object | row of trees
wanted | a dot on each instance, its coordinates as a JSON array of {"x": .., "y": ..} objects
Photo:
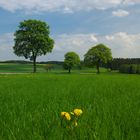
[
  {"x": 32, "y": 39},
  {"x": 94, "y": 57}
]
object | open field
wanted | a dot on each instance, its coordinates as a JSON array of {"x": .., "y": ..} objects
[
  {"x": 28, "y": 68},
  {"x": 30, "y": 106},
  {"x": 19, "y": 68}
]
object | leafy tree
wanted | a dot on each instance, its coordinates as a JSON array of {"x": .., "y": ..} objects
[
  {"x": 32, "y": 40},
  {"x": 71, "y": 59},
  {"x": 97, "y": 55}
]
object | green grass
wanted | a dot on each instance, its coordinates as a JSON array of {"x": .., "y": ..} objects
[
  {"x": 28, "y": 68},
  {"x": 30, "y": 106},
  {"x": 19, "y": 68}
]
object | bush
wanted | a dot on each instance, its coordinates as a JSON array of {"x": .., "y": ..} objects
[
  {"x": 131, "y": 69},
  {"x": 138, "y": 69},
  {"x": 124, "y": 68}
]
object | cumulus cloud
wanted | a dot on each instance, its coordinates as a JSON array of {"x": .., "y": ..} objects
[
  {"x": 130, "y": 2},
  {"x": 74, "y": 42},
  {"x": 65, "y": 6},
  {"x": 6, "y": 44},
  {"x": 120, "y": 13},
  {"x": 122, "y": 44},
  {"x": 6, "y": 40},
  {"x": 111, "y": 37}
]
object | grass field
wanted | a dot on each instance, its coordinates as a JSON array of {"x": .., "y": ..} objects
[
  {"x": 30, "y": 106},
  {"x": 28, "y": 68},
  {"x": 19, "y": 68}
]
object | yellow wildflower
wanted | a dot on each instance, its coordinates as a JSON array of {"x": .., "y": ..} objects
[
  {"x": 63, "y": 114},
  {"x": 78, "y": 112},
  {"x": 66, "y": 115}
]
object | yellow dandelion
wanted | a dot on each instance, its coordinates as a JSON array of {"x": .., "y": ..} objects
[
  {"x": 66, "y": 115},
  {"x": 63, "y": 114},
  {"x": 78, "y": 112}
]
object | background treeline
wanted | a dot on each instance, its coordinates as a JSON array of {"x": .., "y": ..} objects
[
  {"x": 118, "y": 62},
  {"x": 114, "y": 64},
  {"x": 29, "y": 62},
  {"x": 124, "y": 65},
  {"x": 130, "y": 68}
]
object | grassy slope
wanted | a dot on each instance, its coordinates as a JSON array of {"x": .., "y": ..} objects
[{"x": 30, "y": 106}]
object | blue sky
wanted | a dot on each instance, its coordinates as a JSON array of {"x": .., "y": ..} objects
[{"x": 75, "y": 25}]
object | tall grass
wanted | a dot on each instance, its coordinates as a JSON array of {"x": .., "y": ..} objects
[{"x": 30, "y": 106}]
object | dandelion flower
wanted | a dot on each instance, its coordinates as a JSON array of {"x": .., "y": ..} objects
[
  {"x": 63, "y": 114},
  {"x": 77, "y": 112},
  {"x": 66, "y": 115}
]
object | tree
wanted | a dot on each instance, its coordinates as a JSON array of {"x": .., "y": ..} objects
[
  {"x": 32, "y": 40},
  {"x": 71, "y": 59},
  {"x": 97, "y": 55}
]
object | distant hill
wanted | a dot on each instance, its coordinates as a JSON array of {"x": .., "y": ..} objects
[{"x": 29, "y": 62}]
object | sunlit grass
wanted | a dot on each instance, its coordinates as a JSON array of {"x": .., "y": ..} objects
[{"x": 31, "y": 104}]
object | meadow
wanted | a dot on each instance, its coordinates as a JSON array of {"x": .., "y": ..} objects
[{"x": 30, "y": 106}]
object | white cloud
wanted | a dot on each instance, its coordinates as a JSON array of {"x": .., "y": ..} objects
[
  {"x": 6, "y": 40},
  {"x": 131, "y": 2},
  {"x": 109, "y": 37},
  {"x": 74, "y": 42},
  {"x": 122, "y": 45},
  {"x": 120, "y": 13},
  {"x": 66, "y": 6}
]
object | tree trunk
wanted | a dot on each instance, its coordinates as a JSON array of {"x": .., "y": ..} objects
[
  {"x": 98, "y": 68},
  {"x": 34, "y": 64},
  {"x": 69, "y": 70}
]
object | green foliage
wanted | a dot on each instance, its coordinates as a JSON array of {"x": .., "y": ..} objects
[
  {"x": 117, "y": 62},
  {"x": 32, "y": 39},
  {"x": 131, "y": 69},
  {"x": 138, "y": 69},
  {"x": 71, "y": 59},
  {"x": 97, "y": 55},
  {"x": 30, "y": 109},
  {"x": 124, "y": 68}
]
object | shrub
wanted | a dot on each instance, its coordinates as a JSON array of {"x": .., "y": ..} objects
[
  {"x": 131, "y": 69},
  {"x": 124, "y": 68},
  {"x": 138, "y": 69}
]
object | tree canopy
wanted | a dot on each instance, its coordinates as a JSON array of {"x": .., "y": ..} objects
[
  {"x": 97, "y": 55},
  {"x": 32, "y": 39},
  {"x": 71, "y": 59}
]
